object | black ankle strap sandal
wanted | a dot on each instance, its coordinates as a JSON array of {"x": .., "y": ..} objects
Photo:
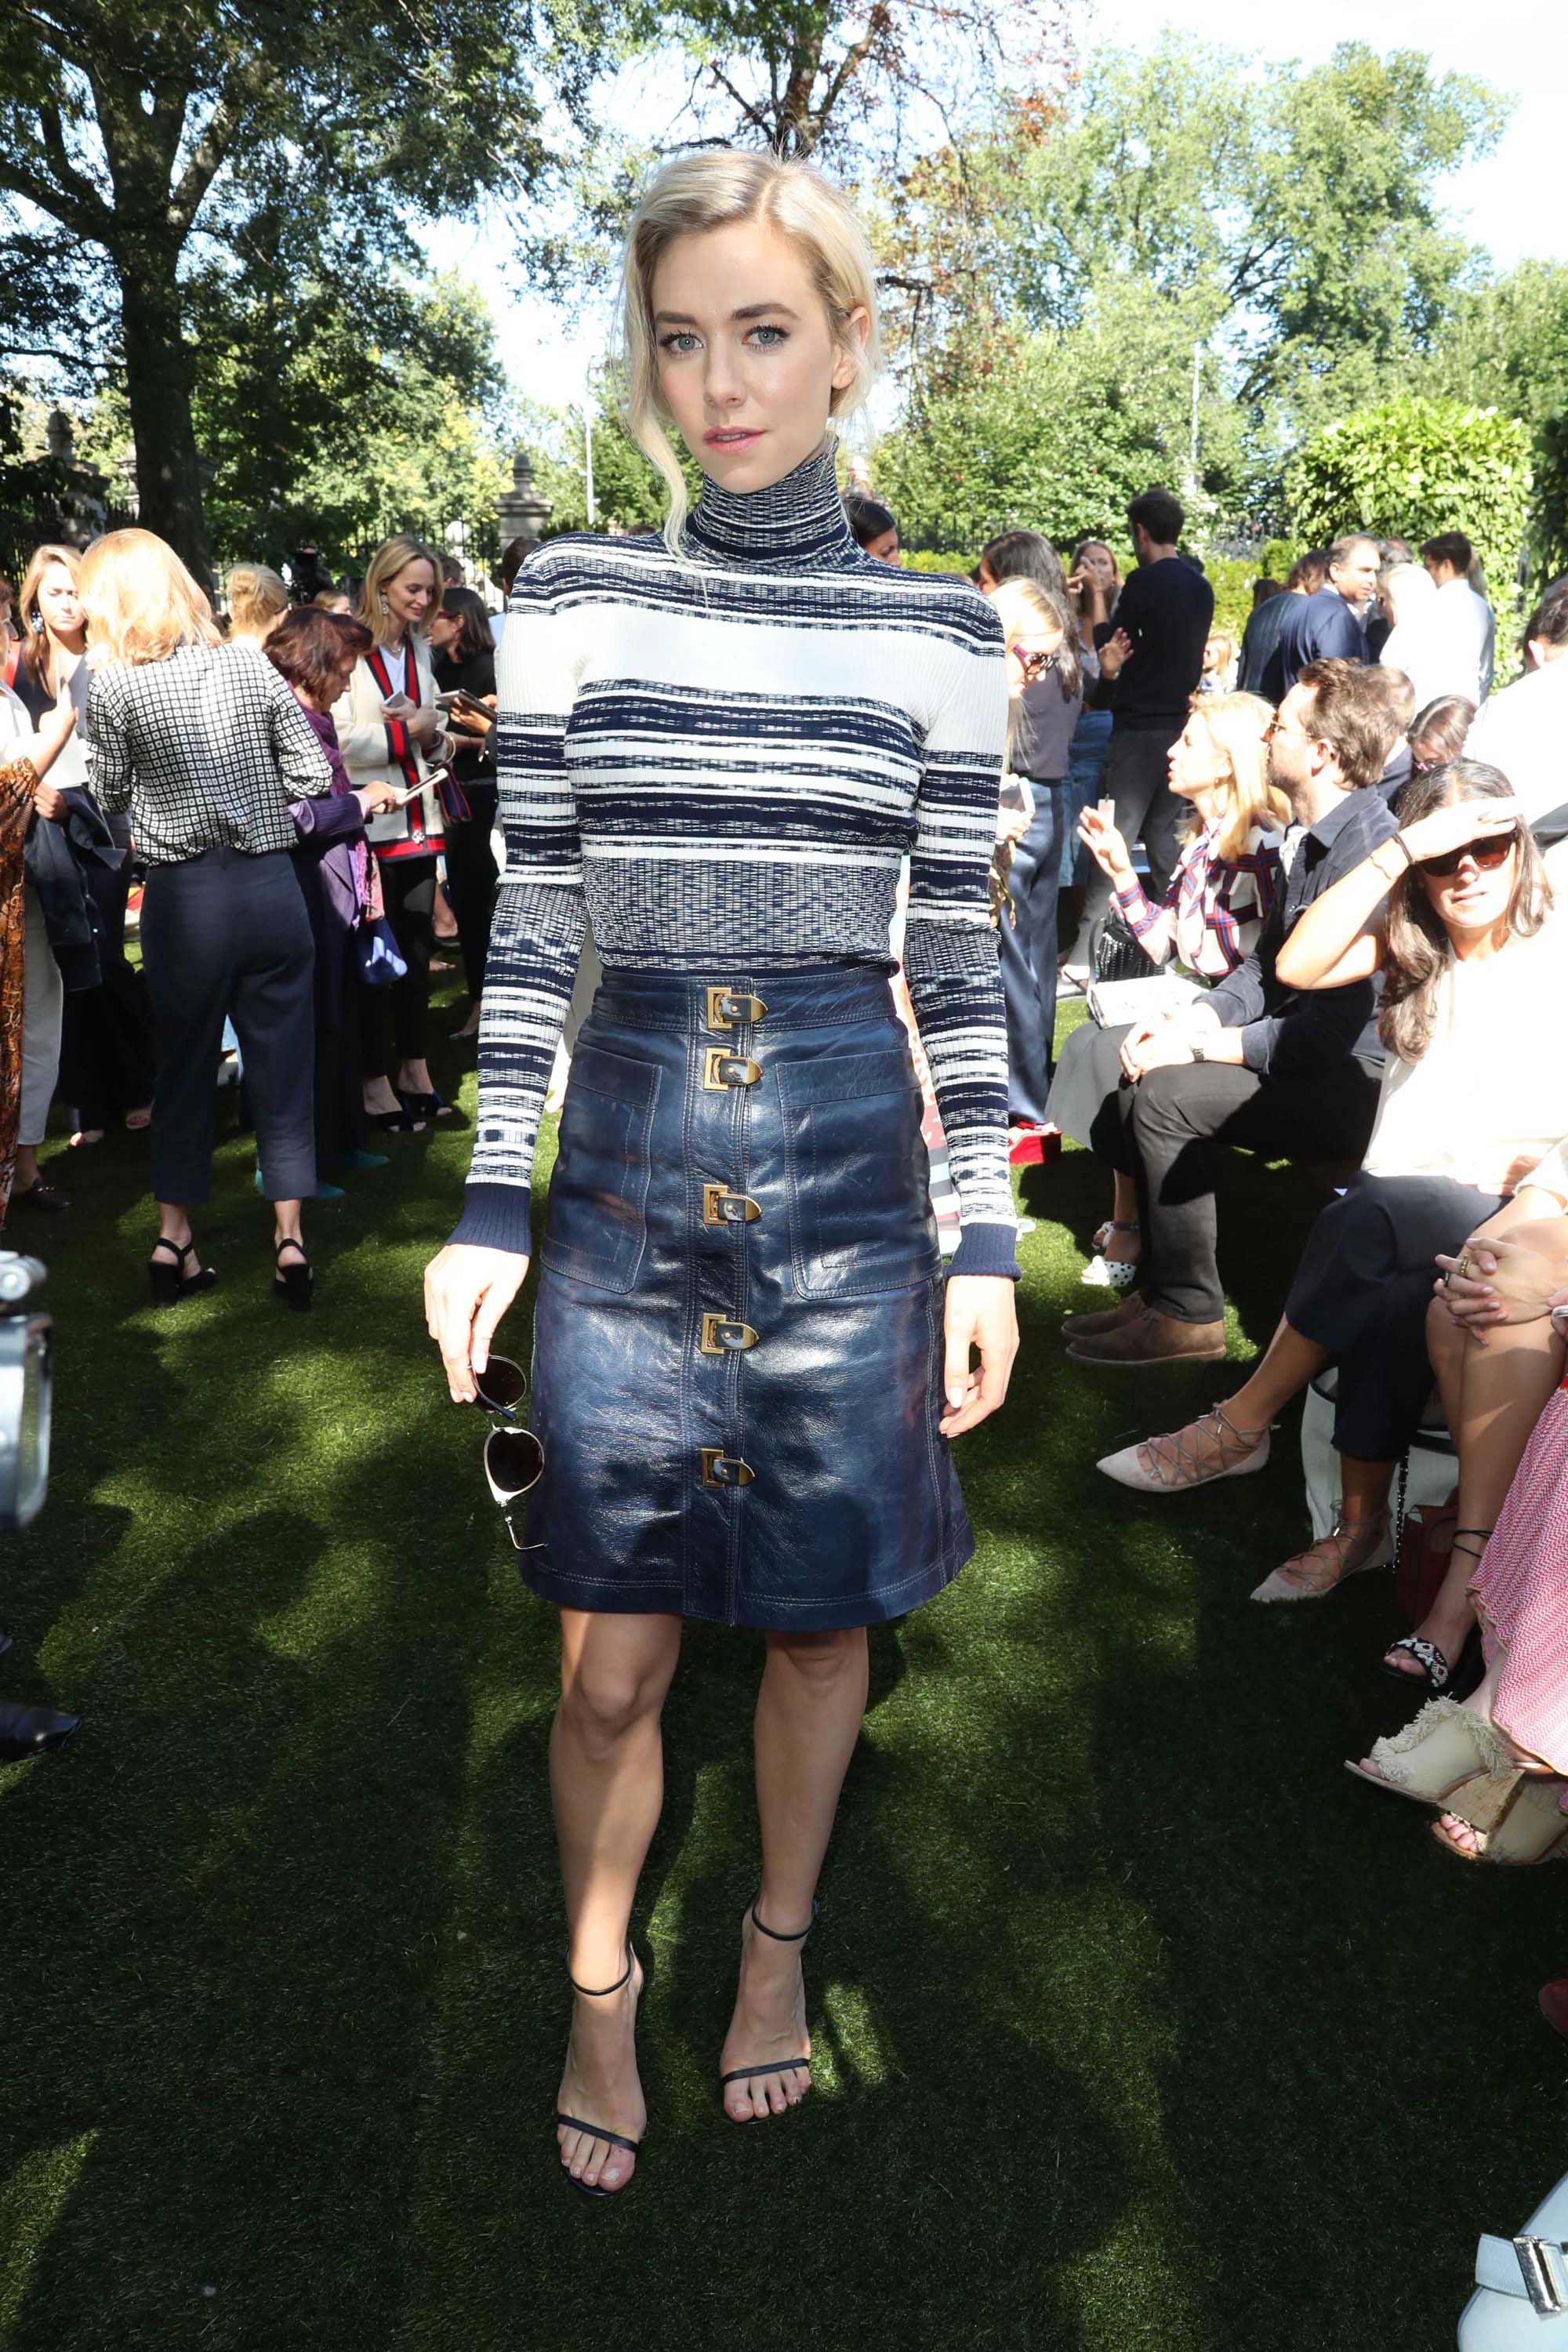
[
  {"x": 167, "y": 1277},
  {"x": 293, "y": 1284},
  {"x": 779, "y": 2065},
  {"x": 576, "y": 2123}
]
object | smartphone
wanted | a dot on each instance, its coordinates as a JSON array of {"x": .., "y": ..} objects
[
  {"x": 1106, "y": 811},
  {"x": 396, "y": 706}
]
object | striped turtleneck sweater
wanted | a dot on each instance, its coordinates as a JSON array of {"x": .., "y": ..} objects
[{"x": 719, "y": 763}]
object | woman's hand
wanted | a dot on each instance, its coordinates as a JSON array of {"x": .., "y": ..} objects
[
  {"x": 981, "y": 1312},
  {"x": 377, "y": 798},
  {"x": 1506, "y": 1278},
  {"x": 425, "y": 724},
  {"x": 466, "y": 1292},
  {"x": 1450, "y": 828},
  {"x": 1114, "y": 652},
  {"x": 1106, "y": 847},
  {"x": 49, "y": 803}
]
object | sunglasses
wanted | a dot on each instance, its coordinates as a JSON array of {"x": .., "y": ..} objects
[
  {"x": 514, "y": 1458},
  {"x": 1033, "y": 664},
  {"x": 1491, "y": 851}
]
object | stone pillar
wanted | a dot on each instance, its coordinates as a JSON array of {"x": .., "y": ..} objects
[{"x": 521, "y": 512}]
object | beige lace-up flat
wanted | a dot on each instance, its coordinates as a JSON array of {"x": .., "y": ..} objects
[
  {"x": 1344, "y": 1551},
  {"x": 1208, "y": 1448}
]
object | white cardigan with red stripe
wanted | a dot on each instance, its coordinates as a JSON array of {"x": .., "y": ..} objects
[{"x": 371, "y": 746}]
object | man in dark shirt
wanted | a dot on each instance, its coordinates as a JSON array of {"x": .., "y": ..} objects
[
  {"x": 1261, "y": 635},
  {"x": 1149, "y": 672},
  {"x": 1327, "y": 627},
  {"x": 1294, "y": 1073}
]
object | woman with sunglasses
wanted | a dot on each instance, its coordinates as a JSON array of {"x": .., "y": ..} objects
[
  {"x": 1455, "y": 912},
  {"x": 717, "y": 744}
]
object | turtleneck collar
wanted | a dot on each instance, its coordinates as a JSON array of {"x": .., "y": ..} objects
[{"x": 796, "y": 524}]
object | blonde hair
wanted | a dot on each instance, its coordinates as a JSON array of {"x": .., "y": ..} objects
[
  {"x": 257, "y": 599},
  {"x": 140, "y": 602},
  {"x": 34, "y": 636},
  {"x": 1236, "y": 725},
  {"x": 392, "y": 556},
  {"x": 715, "y": 190}
]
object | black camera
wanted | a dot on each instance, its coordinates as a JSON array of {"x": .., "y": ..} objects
[{"x": 26, "y": 1387}]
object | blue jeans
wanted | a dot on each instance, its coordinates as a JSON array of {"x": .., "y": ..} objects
[
  {"x": 1029, "y": 954},
  {"x": 1085, "y": 765}
]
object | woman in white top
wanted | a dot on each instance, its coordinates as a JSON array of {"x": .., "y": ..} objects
[
  {"x": 1416, "y": 640},
  {"x": 390, "y": 731},
  {"x": 1455, "y": 912}
]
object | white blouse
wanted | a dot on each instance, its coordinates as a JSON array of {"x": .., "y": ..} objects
[{"x": 1492, "y": 1089}]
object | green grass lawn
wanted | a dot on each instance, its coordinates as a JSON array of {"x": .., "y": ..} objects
[{"x": 1139, "y": 2023}]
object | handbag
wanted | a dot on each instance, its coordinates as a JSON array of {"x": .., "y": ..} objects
[
  {"x": 1425, "y": 1555},
  {"x": 1520, "y": 2303},
  {"x": 381, "y": 960},
  {"x": 1126, "y": 984}
]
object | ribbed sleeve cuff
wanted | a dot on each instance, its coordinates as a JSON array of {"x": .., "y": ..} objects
[
  {"x": 497, "y": 1216},
  {"x": 987, "y": 1249}
]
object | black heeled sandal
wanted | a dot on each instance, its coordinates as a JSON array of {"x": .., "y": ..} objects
[
  {"x": 293, "y": 1286},
  {"x": 1438, "y": 1676},
  {"x": 575, "y": 2123},
  {"x": 394, "y": 1123},
  {"x": 780, "y": 2065},
  {"x": 167, "y": 1278}
]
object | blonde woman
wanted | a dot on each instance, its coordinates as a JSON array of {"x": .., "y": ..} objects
[
  {"x": 205, "y": 747},
  {"x": 106, "y": 1039},
  {"x": 1207, "y": 923},
  {"x": 390, "y": 731},
  {"x": 718, "y": 744},
  {"x": 1044, "y": 688},
  {"x": 258, "y": 601}
]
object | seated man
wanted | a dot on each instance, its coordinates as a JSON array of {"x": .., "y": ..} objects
[{"x": 1254, "y": 1062}]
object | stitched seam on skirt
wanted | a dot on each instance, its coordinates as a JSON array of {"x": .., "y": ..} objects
[
  {"x": 740, "y": 1132},
  {"x": 881, "y": 1592},
  {"x": 613, "y": 1017},
  {"x": 690, "y": 1493},
  {"x": 936, "y": 1362}
]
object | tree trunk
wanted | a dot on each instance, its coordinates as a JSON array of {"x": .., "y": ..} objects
[{"x": 158, "y": 385}]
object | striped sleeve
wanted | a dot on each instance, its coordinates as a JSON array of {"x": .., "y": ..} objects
[
  {"x": 951, "y": 957},
  {"x": 540, "y": 923}
]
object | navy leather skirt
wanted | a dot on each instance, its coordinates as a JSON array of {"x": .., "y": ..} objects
[{"x": 738, "y": 1341}]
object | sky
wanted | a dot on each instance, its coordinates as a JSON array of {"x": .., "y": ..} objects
[{"x": 1510, "y": 203}]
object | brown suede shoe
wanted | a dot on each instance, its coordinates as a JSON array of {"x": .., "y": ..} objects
[
  {"x": 1153, "y": 1339},
  {"x": 1104, "y": 1318}
]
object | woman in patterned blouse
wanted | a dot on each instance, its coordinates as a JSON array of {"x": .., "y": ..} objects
[{"x": 1207, "y": 923}]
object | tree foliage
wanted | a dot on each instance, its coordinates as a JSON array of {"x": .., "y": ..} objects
[
  {"x": 1413, "y": 468},
  {"x": 140, "y": 143}
]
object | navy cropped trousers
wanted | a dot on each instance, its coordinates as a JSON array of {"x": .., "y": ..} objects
[{"x": 227, "y": 935}]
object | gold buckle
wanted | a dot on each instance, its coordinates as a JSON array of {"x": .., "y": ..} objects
[
  {"x": 721, "y": 1207},
  {"x": 721, "y": 1470},
  {"x": 722, "y": 1336},
  {"x": 721, "y": 1071},
  {"x": 725, "y": 1008}
]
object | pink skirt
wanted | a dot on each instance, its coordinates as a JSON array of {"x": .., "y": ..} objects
[{"x": 1520, "y": 1593}]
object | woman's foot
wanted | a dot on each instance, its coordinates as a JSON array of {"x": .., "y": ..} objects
[
  {"x": 84, "y": 1135},
  {"x": 1118, "y": 1254},
  {"x": 135, "y": 1120},
  {"x": 1447, "y": 1628},
  {"x": 379, "y": 1098},
  {"x": 470, "y": 1027},
  {"x": 768, "y": 2026},
  {"x": 600, "y": 2083},
  {"x": 1347, "y": 1547},
  {"x": 1213, "y": 1446}
]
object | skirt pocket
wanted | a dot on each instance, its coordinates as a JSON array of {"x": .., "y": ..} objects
[
  {"x": 857, "y": 1175},
  {"x": 595, "y": 1228}
]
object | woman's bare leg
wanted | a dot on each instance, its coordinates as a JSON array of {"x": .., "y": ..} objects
[
  {"x": 1363, "y": 1490},
  {"x": 1123, "y": 1248},
  {"x": 1289, "y": 1362},
  {"x": 1503, "y": 1386},
  {"x": 606, "y": 1781},
  {"x": 809, "y": 1708}
]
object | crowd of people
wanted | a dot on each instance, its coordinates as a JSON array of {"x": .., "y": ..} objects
[{"x": 1310, "y": 884}]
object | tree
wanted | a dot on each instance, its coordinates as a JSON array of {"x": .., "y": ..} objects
[
  {"x": 1411, "y": 468},
  {"x": 1293, "y": 215},
  {"x": 141, "y": 143}
]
